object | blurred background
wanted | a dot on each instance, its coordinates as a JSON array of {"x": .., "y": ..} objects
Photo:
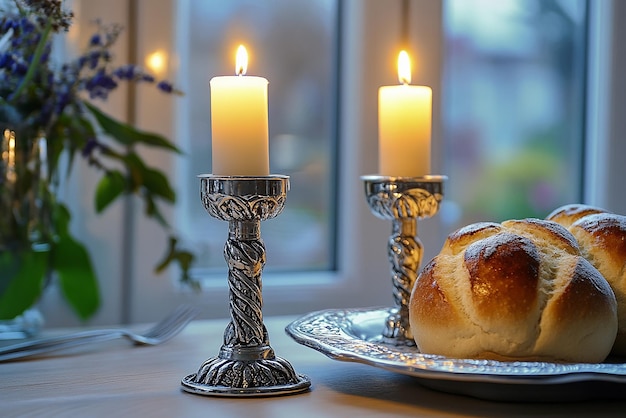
[{"x": 526, "y": 117}]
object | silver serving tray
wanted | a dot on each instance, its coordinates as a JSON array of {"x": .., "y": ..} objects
[{"x": 355, "y": 335}]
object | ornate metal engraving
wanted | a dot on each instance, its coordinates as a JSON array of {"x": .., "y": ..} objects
[
  {"x": 242, "y": 208},
  {"x": 246, "y": 364},
  {"x": 403, "y": 201},
  {"x": 404, "y": 197},
  {"x": 353, "y": 335}
]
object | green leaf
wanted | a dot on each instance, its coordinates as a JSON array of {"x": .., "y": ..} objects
[
  {"x": 156, "y": 182},
  {"x": 21, "y": 281},
  {"x": 110, "y": 186},
  {"x": 152, "y": 210},
  {"x": 136, "y": 167},
  {"x": 128, "y": 135},
  {"x": 77, "y": 278},
  {"x": 182, "y": 257},
  {"x": 71, "y": 261},
  {"x": 61, "y": 219}
]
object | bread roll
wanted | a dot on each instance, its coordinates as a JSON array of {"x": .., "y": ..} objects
[
  {"x": 602, "y": 239},
  {"x": 568, "y": 214},
  {"x": 519, "y": 290}
]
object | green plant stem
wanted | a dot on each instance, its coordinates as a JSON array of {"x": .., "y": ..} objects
[{"x": 32, "y": 67}]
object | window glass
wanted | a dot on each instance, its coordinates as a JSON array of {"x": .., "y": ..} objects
[
  {"x": 293, "y": 44},
  {"x": 513, "y": 107}
]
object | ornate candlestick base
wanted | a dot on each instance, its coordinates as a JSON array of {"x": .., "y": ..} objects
[
  {"x": 246, "y": 364},
  {"x": 403, "y": 200}
]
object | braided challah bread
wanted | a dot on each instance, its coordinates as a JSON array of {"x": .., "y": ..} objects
[
  {"x": 601, "y": 237},
  {"x": 519, "y": 290}
]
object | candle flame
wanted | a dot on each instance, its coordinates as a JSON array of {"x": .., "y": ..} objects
[
  {"x": 404, "y": 68},
  {"x": 241, "y": 62}
]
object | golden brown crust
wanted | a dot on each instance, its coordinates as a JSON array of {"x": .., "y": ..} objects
[
  {"x": 583, "y": 303},
  {"x": 607, "y": 236},
  {"x": 568, "y": 214},
  {"x": 432, "y": 300},
  {"x": 503, "y": 275},
  {"x": 460, "y": 238},
  {"x": 519, "y": 290},
  {"x": 584, "y": 295},
  {"x": 551, "y": 231},
  {"x": 602, "y": 238}
]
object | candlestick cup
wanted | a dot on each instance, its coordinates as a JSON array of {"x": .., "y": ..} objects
[
  {"x": 246, "y": 364},
  {"x": 403, "y": 200}
]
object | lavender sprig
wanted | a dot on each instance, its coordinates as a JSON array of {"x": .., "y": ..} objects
[{"x": 57, "y": 99}]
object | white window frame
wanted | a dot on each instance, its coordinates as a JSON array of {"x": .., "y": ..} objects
[{"x": 606, "y": 126}]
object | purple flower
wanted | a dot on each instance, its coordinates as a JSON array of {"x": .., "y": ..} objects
[
  {"x": 62, "y": 99},
  {"x": 147, "y": 78},
  {"x": 93, "y": 59},
  {"x": 19, "y": 67},
  {"x": 100, "y": 85},
  {"x": 6, "y": 60},
  {"x": 125, "y": 72},
  {"x": 8, "y": 24},
  {"x": 165, "y": 86},
  {"x": 26, "y": 25},
  {"x": 95, "y": 40}
]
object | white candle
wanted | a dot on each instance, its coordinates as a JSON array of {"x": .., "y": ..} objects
[
  {"x": 404, "y": 126},
  {"x": 239, "y": 124}
]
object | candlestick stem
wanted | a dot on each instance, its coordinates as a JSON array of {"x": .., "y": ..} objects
[
  {"x": 403, "y": 200},
  {"x": 246, "y": 364},
  {"x": 404, "y": 251}
]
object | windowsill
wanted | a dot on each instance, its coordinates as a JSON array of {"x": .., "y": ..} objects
[{"x": 298, "y": 279}]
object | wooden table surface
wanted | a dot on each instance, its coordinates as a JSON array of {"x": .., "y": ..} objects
[{"x": 116, "y": 379}]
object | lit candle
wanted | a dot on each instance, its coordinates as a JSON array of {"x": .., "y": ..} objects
[
  {"x": 239, "y": 124},
  {"x": 404, "y": 126}
]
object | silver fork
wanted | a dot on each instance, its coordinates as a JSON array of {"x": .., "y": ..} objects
[{"x": 164, "y": 330}]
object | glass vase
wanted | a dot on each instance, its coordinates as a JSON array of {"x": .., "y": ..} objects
[{"x": 25, "y": 226}]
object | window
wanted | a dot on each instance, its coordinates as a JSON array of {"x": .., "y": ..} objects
[
  {"x": 294, "y": 45},
  {"x": 361, "y": 275},
  {"x": 514, "y": 105}
]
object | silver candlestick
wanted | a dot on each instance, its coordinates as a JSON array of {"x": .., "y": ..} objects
[
  {"x": 246, "y": 364},
  {"x": 403, "y": 200}
]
